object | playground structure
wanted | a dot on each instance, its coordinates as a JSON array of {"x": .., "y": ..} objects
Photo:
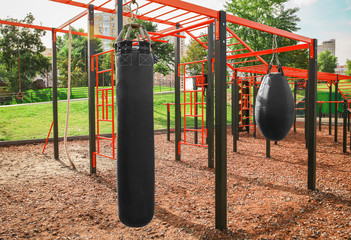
[{"x": 189, "y": 18}]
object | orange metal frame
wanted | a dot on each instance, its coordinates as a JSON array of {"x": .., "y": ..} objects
[
  {"x": 192, "y": 112},
  {"x": 104, "y": 105}
]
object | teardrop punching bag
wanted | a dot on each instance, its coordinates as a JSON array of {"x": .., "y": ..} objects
[
  {"x": 275, "y": 108},
  {"x": 135, "y": 153}
]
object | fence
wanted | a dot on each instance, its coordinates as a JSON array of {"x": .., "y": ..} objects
[{"x": 44, "y": 95}]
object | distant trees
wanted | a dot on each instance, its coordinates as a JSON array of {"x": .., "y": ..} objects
[
  {"x": 27, "y": 44},
  {"x": 348, "y": 66},
  {"x": 79, "y": 59},
  {"x": 271, "y": 13},
  {"x": 327, "y": 62}
]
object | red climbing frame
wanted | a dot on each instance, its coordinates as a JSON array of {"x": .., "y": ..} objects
[
  {"x": 104, "y": 105},
  {"x": 190, "y": 109}
]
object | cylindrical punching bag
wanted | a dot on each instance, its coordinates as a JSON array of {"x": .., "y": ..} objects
[
  {"x": 135, "y": 153},
  {"x": 274, "y": 110}
]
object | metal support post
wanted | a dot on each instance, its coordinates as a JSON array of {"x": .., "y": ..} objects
[
  {"x": 336, "y": 109},
  {"x": 168, "y": 123},
  {"x": 195, "y": 113},
  {"x": 306, "y": 113},
  {"x": 312, "y": 99},
  {"x": 254, "y": 105},
  {"x": 320, "y": 117},
  {"x": 221, "y": 125},
  {"x": 209, "y": 99},
  {"x": 235, "y": 99},
  {"x": 177, "y": 97},
  {"x": 268, "y": 148},
  {"x": 91, "y": 90},
  {"x": 330, "y": 107},
  {"x": 344, "y": 135},
  {"x": 54, "y": 94},
  {"x": 295, "y": 89}
]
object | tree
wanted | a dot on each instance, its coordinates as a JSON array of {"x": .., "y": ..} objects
[
  {"x": 195, "y": 52},
  {"x": 25, "y": 42},
  {"x": 348, "y": 67},
  {"x": 327, "y": 62},
  {"x": 271, "y": 13},
  {"x": 79, "y": 59}
]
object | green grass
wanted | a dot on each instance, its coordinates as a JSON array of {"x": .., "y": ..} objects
[
  {"x": 33, "y": 121},
  {"x": 45, "y": 95}
]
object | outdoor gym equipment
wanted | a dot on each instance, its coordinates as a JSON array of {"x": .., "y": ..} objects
[
  {"x": 275, "y": 110},
  {"x": 135, "y": 151}
]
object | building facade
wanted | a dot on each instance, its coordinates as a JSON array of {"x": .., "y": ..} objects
[
  {"x": 105, "y": 24},
  {"x": 327, "y": 45},
  {"x": 340, "y": 69}
]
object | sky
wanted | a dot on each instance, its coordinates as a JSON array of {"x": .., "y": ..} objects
[{"x": 321, "y": 19}]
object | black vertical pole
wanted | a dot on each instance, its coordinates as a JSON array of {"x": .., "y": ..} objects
[
  {"x": 221, "y": 125},
  {"x": 235, "y": 112},
  {"x": 233, "y": 104},
  {"x": 91, "y": 90},
  {"x": 168, "y": 123},
  {"x": 320, "y": 117},
  {"x": 195, "y": 113},
  {"x": 54, "y": 94},
  {"x": 312, "y": 99},
  {"x": 344, "y": 135},
  {"x": 295, "y": 89},
  {"x": 348, "y": 121},
  {"x": 330, "y": 107},
  {"x": 177, "y": 97},
  {"x": 209, "y": 99},
  {"x": 275, "y": 142},
  {"x": 336, "y": 110},
  {"x": 268, "y": 148},
  {"x": 306, "y": 113},
  {"x": 254, "y": 105}
]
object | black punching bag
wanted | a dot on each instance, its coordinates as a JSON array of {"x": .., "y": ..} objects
[
  {"x": 274, "y": 110},
  {"x": 135, "y": 153}
]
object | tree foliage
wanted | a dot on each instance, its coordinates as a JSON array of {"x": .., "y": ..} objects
[
  {"x": 327, "y": 62},
  {"x": 195, "y": 52},
  {"x": 271, "y": 13},
  {"x": 348, "y": 67},
  {"x": 79, "y": 59},
  {"x": 27, "y": 44}
]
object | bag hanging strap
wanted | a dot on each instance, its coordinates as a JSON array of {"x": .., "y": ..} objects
[{"x": 275, "y": 54}]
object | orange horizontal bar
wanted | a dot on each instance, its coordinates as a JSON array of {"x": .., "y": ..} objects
[
  {"x": 192, "y": 144},
  {"x": 103, "y": 71},
  {"x": 104, "y": 120},
  {"x": 269, "y": 51},
  {"x": 193, "y": 129},
  {"x": 106, "y": 138},
  {"x": 186, "y": 28},
  {"x": 105, "y": 156}
]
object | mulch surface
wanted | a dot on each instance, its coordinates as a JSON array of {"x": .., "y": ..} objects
[{"x": 42, "y": 198}]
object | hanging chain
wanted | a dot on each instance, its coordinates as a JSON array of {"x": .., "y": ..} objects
[
  {"x": 132, "y": 15},
  {"x": 142, "y": 31},
  {"x": 274, "y": 48}
]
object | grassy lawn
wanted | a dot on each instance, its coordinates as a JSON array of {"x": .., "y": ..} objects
[
  {"x": 45, "y": 95},
  {"x": 33, "y": 121}
]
